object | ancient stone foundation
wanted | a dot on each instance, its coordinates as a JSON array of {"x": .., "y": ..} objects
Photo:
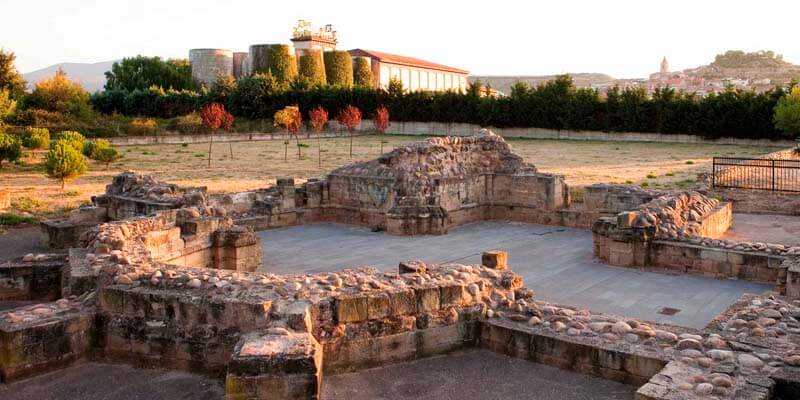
[{"x": 163, "y": 276}]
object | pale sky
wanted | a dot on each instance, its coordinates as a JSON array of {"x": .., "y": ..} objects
[{"x": 624, "y": 38}]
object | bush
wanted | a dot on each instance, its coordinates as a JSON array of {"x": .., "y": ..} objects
[
  {"x": 10, "y": 148},
  {"x": 74, "y": 139},
  {"x": 143, "y": 126},
  {"x": 64, "y": 162},
  {"x": 90, "y": 148},
  {"x": 339, "y": 68},
  {"x": 106, "y": 155},
  {"x": 189, "y": 123},
  {"x": 787, "y": 113},
  {"x": 36, "y": 138},
  {"x": 9, "y": 219},
  {"x": 362, "y": 73},
  {"x": 312, "y": 67}
]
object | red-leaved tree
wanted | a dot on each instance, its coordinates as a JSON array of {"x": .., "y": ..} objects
[
  {"x": 318, "y": 117},
  {"x": 380, "y": 120},
  {"x": 215, "y": 117},
  {"x": 350, "y": 117}
]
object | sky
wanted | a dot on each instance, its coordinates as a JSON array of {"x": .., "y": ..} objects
[{"x": 623, "y": 38}]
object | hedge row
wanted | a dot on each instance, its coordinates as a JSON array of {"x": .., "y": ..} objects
[{"x": 554, "y": 105}]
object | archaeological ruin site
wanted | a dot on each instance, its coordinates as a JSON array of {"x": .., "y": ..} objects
[{"x": 439, "y": 249}]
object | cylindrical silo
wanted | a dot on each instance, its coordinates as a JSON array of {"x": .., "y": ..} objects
[
  {"x": 259, "y": 56},
  {"x": 209, "y": 64},
  {"x": 241, "y": 64}
]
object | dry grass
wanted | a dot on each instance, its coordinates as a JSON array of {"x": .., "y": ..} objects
[{"x": 256, "y": 164}]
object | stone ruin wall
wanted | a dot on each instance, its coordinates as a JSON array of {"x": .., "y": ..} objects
[
  {"x": 678, "y": 233},
  {"x": 140, "y": 290}
]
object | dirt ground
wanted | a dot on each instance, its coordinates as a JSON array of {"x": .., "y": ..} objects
[{"x": 257, "y": 163}]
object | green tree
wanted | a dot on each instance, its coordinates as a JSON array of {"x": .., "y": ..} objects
[
  {"x": 787, "y": 113},
  {"x": 64, "y": 162},
  {"x": 10, "y": 79},
  {"x": 395, "y": 88},
  {"x": 312, "y": 67},
  {"x": 59, "y": 94},
  {"x": 339, "y": 68},
  {"x": 10, "y": 148},
  {"x": 7, "y": 105},
  {"x": 362, "y": 73},
  {"x": 142, "y": 72}
]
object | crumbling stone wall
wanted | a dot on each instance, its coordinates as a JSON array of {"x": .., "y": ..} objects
[
  {"x": 676, "y": 233},
  {"x": 33, "y": 277}
]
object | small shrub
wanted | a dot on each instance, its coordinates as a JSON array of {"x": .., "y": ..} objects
[
  {"x": 106, "y": 155},
  {"x": 629, "y": 182},
  {"x": 184, "y": 144},
  {"x": 189, "y": 123},
  {"x": 64, "y": 162},
  {"x": 690, "y": 162},
  {"x": 143, "y": 126},
  {"x": 36, "y": 138},
  {"x": 26, "y": 204},
  {"x": 10, "y": 148},
  {"x": 92, "y": 146},
  {"x": 9, "y": 219},
  {"x": 651, "y": 176},
  {"x": 644, "y": 184}
]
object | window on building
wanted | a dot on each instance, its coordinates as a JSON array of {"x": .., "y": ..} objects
[
  {"x": 423, "y": 81},
  {"x": 405, "y": 77},
  {"x": 385, "y": 76},
  {"x": 414, "y": 86}
]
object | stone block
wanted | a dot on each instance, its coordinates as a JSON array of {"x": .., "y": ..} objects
[
  {"x": 496, "y": 259},
  {"x": 271, "y": 366},
  {"x": 403, "y": 302},
  {"x": 412, "y": 266},
  {"x": 352, "y": 308},
  {"x": 378, "y": 305},
  {"x": 428, "y": 299},
  {"x": 625, "y": 220},
  {"x": 452, "y": 294}
]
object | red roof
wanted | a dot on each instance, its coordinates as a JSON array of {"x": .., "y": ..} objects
[{"x": 403, "y": 60}]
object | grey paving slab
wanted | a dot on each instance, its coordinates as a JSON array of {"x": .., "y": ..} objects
[
  {"x": 782, "y": 229},
  {"x": 556, "y": 263},
  {"x": 474, "y": 374}
]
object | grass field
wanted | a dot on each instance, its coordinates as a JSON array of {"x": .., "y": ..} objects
[{"x": 257, "y": 164}]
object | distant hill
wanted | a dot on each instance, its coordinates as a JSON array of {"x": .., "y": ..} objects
[
  {"x": 503, "y": 82},
  {"x": 738, "y": 64},
  {"x": 90, "y": 75}
]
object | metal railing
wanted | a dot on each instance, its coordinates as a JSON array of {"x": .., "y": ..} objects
[{"x": 756, "y": 173}]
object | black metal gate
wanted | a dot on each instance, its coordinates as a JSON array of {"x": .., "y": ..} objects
[{"x": 756, "y": 173}]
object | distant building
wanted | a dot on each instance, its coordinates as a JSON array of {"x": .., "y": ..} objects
[
  {"x": 664, "y": 66},
  {"x": 305, "y": 39},
  {"x": 415, "y": 74}
]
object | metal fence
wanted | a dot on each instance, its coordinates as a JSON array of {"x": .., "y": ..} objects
[{"x": 756, "y": 173}]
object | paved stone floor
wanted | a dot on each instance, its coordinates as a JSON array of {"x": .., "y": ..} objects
[
  {"x": 555, "y": 261},
  {"x": 782, "y": 229},
  {"x": 473, "y": 374},
  {"x": 102, "y": 381}
]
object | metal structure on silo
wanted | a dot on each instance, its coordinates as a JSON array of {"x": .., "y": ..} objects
[
  {"x": 241, "y": 64},
  {"x": 209, "y": 64}
]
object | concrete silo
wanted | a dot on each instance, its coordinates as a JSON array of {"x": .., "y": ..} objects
[
  {"x": 208, "y": 64},
  {"x": 241, "y": 64}
]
